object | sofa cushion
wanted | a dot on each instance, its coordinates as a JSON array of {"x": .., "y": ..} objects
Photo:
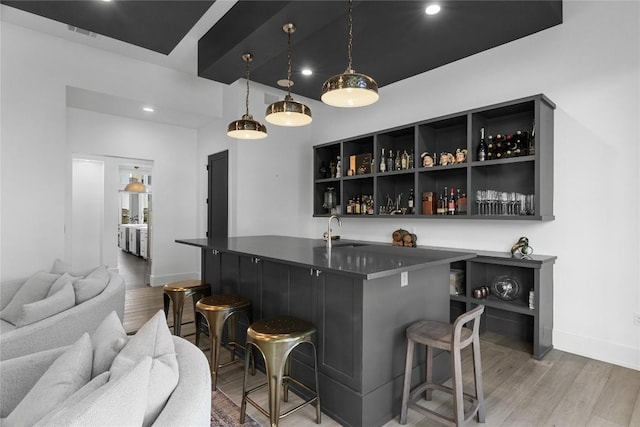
[
  {"x": 62, "y": 300},
  {"x": 91, "y": 285},
  {"x": 120, "y": 402},
  {"x": 66, "y": 375},
  {"x": 61, "y": 267},
  {"x": 6, "y": 326},
  {"x": 107, "y": 341},
  {"x": 60, "y": 282},
  {"x": 153, "y": 340},
  {"x": 34, "y": 289}
]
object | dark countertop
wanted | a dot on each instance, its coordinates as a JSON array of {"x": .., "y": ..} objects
[{"x": 365, "y": 260}]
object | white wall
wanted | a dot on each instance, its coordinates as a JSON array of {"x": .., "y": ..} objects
[
  {"x": 36, "y": 70},
  {"x": 173, "y": 152}
]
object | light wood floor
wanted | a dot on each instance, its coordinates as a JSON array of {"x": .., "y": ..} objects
[{"x": 563, "y": 389}]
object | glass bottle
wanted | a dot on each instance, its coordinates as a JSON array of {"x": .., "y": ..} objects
[
  {"x": 383, "y": 162},
  {"x": 404, "y": 160},
  {"x": 357, "y": 206},
  {"x": 389, "y": 160},
  {"x": 410, "y": 203},
  {"x": 445, "y": 199},
  {"x": 398, "y": 161},
  {"x": 491, "y": 148},
  {"x": 482, "y": 147},
  {"x": 441, "y": 208},
  {"x": 338, "y": 168},
  {"x": 411, "y": 160},
  {"x": 451, "y": 206}
]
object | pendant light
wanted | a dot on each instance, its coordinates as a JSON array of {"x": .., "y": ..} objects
[
  {"x": 135, "y": 187},
  {"x": 350, "y": 89},
  {"x": 288, "y": 112},
  {"x": 247, "y": 127}
]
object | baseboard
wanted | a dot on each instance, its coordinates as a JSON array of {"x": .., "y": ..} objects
[
  {"x": 617, "y": 354},
  {"x": 161, "y": 280}
]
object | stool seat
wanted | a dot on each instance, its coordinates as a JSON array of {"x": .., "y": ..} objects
[
  {"x": 452, "y": 338},
  {"x": 217, "y": 311},
  {"x": 177, "y": 292},
  {"x": 275, "y": 338}
]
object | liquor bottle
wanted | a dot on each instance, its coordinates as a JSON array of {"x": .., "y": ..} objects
[
  {"x": 398, "y": 161},
  {"x": 389, "y": 167},
  {"x": 482, "y": 147},
  {"x": 350, "y": 207},
  {"x": 531, "y": 147},
  {"x": 338, "y": 168},
  {"x": 410, "y": 203},
  {"x": 411, "y": 159},
  {"x": 363, "y": 207},
  {"x": 357, "y": 206},
  {"x": 445, "y": 198},
  {"x": 441, "y": 208},
  {"x": 461, "y": 203},
  {"x": 383, "y": 162},
  {"x": 404, "y": 160},
  {"x": 451, "y": 207}
]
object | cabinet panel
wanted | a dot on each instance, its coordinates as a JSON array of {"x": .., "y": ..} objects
[
  {"x": 229, "y": 267},
  {"x": 249, "y": 282},
  {"x": 275, "y": 289}
]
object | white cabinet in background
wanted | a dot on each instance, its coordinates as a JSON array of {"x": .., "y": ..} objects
[
  {"x": 122, "y": 237},
  {"x": 133, "y": 241},
  {"x": 143, "y": 243}
]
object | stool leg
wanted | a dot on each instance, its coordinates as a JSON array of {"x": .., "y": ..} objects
[
  {"x": 274, "y": 365},
  {"x": 428, "y": 393},
  {"x": 178, "y": 304},
  {"x": 231, "y": 332},
  {"x": 407, "y": 382},
  {"x": 243, "y": 405},
  {"x": 216, "y": 322},
  {"x": 458, "y": 402},
  {"x": 477, "y": 372},
  {"x": 165, "y": 299},
  {"x": 285, "y": 380},
  {"x": 315, "y": 366},
  {"x": 196, "y": 319}
]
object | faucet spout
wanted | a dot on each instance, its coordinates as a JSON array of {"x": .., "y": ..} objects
[{"x": 332, "y": 217}]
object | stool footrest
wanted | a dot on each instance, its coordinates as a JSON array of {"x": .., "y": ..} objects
[
  {"x": 414, "y": 396},
  {"x": 290, "y": 411}
]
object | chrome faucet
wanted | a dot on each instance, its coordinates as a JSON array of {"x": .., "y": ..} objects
[{"x": 328, "y": 234}]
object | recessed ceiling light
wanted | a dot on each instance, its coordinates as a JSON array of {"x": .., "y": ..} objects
[
  {"x": 432, "y": 9},
  {"x": 148, "y": 109},
  {"x": 307, "y": 72},
  {"x": 284, "y": 83}
]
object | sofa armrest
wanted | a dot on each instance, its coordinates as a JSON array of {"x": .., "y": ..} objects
[
  {"x": 65, "y": 328},
  {"x": 190, "y": 402},
  {"x": 8, "y": 289},
  {"x": 19, "y": 375}
]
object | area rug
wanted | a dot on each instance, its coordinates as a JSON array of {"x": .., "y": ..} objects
[{"x": 225, "y": 413}]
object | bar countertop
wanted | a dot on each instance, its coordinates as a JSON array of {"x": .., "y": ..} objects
[{"x": 364, "y": 260}]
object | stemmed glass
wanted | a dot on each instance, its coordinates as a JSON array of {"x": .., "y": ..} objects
[
  {"x": 504, "y": 199},
  {"x": 480, "y": 199}
]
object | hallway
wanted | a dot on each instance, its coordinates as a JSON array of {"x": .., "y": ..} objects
[{"x": 134, "y": 269}]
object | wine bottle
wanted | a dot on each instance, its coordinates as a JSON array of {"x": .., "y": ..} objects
[
  {"x": 441, "y": 208},
  {"x": 383, "y": 162},
  {"x": 410, "y": 203},
  {"x": 389, "y": 167},
  {"x": 499, "y": 146},
  {"x": 404, "y": 160},
  {"x": 491, "y": 148},
  {"x": 482, "y": 147},
  {"x": 461, "y": 203},
  {"x": 445, "y": 199},
  {"x": 398, "y": 161},
  {"x": 451, "y": 207},
  {"x": 411, "y": 160}
]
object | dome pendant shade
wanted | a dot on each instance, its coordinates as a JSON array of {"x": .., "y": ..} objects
[
  {"x": 350, "y": 89},
  {"x": 247, "y": 128},
  {"x": 288, "y": 113},
  {"x": 135, "y": 187}
]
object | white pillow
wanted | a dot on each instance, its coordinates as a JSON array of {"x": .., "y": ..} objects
[
  {"x": 62, "y": 300},
  {"x": 120, "y": 402},
  {"x": 93, "y": 284},
  {"x": 107, "y": 341},
  {"x": 65, "y": 376},
  {"x": 34, "y": 289},
  {"x": 61, "y": 267},
  {"x": 60, "y": 282},
  {"x": 153, "y": 340}
]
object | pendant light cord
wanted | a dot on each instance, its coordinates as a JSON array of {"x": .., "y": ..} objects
[
  {"x": 350, "y": 30},
  {"x": 246, "y": 102},
  {"x": 289, "y": 30}
]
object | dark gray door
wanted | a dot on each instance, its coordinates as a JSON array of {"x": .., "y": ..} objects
[{"x": 218, "y": 195}]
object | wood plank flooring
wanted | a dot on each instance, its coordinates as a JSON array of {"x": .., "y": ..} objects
[{"x": 563, "y": 389}]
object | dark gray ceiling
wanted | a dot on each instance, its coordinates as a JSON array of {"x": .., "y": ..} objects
[{"x": 393, "y": 40}]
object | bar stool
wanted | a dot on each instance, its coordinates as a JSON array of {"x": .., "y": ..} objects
[
  {"x": 451, "y": 338},
  {"x": 177, "y": 292},
  {"x": 276, "y": 338},
  {"x": 218, "y": 310}
]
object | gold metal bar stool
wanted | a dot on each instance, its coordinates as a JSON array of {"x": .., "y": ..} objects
[
  {"x": 177, "y": 292},
  {"x": 276, "y": 338},
  {"x": 218, "y": 310},
  {"x": 451, "y": 338}
]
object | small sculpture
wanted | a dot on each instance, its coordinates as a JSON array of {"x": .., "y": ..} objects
[
  {"x": 461, "y": 155},
  {"x": 427, "y": 160},
  {"x": 447, "y": 159},
  {"x": 522, "y": 249}
]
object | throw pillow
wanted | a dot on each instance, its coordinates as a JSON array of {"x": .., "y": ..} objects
[
  {"x": 64, "y": 377},
  {"x": 153, "y": 340},
  {"x": 117, "y": 403},
  {"x": 34, "y": 289},
  {"x": 60, "y": 282},
  {"x": 62, "y": 300},
  {"x": 61, "y": 267},
  {"x": 107, "y": 341},
  {"x": 93, "y": 284}
]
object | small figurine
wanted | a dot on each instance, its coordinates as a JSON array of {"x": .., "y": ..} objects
[
  {"x": 461, "y": 155},
  {"x": 447, "y": 159},
  {"x": 427, "y": 160}
]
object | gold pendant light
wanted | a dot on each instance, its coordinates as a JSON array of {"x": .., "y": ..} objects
[
  {"x": 288, "y": 112},
  {"x": 247, "y": 127},
  {"x": 350, "y": 89}
]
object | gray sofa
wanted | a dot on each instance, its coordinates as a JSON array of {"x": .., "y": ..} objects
[
  {"x": 188, "y": 405},
  {"x": 61, "y": 329}
]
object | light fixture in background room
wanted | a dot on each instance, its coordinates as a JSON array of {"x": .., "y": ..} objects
[
  {"x": 288, "y": 112},
  {"x": 135, "y": 187},
  {"x": 350, "y": 89},
  {"x": 247, "y": 127}
]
